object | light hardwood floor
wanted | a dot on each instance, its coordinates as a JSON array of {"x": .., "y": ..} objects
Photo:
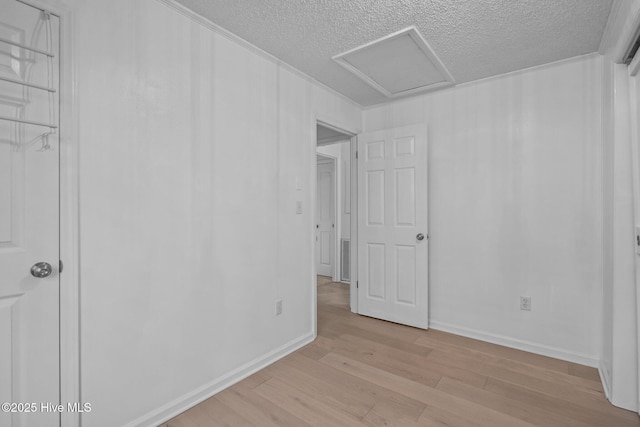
[{"x": 363, "y": 371}]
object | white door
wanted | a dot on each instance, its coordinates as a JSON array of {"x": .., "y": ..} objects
[
  {"x": 29, "y": 223},
  {"x": 392, "y": 225},
  {"x": 325, "y": 217}
]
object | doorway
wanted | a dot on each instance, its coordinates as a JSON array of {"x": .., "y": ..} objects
[
  {"x": 332, "y": 226},
  {"x": 326, "y": 215},
  {"x": 389, "y": 275}
]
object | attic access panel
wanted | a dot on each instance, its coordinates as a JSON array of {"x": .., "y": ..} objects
[{"x": 399, "y": 64}]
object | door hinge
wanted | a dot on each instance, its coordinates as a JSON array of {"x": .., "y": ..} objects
[
  {"x": 356, "y": 155},
  {"x": 60, "y": 266},
  {"x": 357, "y": 284}
]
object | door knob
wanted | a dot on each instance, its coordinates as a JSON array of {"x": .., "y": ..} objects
[
  {"x": 41, "y": 270},
  {"x": 420, "y": 236}
]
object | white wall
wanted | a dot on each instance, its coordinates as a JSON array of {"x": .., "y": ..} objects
[
  {"x": 190, "y": 148},
  {"x": 515, "y": 205}
]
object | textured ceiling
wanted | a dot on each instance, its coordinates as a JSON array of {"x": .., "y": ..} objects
[{"x": 473, "y": 38}]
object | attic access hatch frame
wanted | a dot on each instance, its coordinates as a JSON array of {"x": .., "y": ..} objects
[{"x": 420, "y": 42}]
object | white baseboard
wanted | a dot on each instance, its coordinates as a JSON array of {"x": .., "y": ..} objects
[
  {"x": 531, "y": 347},
  {"x": 186, "y": 401}
]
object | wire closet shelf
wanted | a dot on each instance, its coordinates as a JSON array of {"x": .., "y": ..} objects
[{"x": 21, "y": 120}]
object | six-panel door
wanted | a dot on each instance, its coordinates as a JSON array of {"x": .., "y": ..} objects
[{"x": 392, "y": 206}]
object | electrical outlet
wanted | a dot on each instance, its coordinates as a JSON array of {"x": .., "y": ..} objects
[
  {"x": 278, "y": 307},
  {"x": 299, "y": 207},
  {"x": 525, "y": 303}
]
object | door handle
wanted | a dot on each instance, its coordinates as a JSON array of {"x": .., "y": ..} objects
[
  {"x": 420, "y": 236},
  {"x": 41, "y": 270}
]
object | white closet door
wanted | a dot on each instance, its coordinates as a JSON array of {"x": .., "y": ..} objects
[{"x": 29, "y": 219}]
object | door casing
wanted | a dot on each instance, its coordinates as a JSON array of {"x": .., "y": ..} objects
[
  {"x": 634, "y": 78},
  {"x": 337, "y": 124}
]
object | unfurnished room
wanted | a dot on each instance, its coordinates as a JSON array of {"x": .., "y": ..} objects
[{"x": 319, "y": 213}]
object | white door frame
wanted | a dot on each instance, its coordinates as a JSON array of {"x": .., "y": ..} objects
[
  {"x": 337, "y": 229},
  {"x": 353, "y": 245},
  {"x": 336, "y": 124},
  {"x": 69, "y": 218},
  {"x": 634, "y": 69}
]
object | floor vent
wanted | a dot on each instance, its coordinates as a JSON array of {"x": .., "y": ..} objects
[{"x": 345, "y": 260}]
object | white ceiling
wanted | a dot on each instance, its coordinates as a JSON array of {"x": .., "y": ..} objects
[{"x": 474, "y": 39}]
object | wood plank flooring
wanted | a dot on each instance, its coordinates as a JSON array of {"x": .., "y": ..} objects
[{"x": 366, "y": 372}]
